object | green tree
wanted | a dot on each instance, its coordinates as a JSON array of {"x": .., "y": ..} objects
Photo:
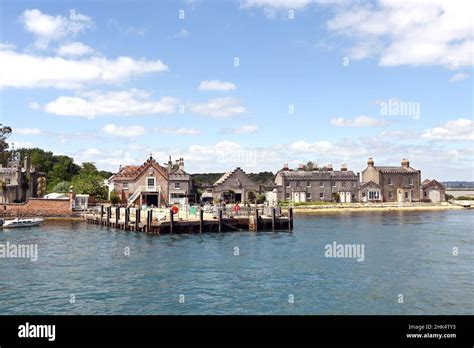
[
  {"x": 89, "y": 181},
  {"x": 5, "y": 132},
  {"x": 62, "y": 187},
  {"x": 115, "y": 198}
]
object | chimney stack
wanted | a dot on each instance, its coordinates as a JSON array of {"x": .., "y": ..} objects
[
  {"x": 344, "y": 167},
  {"x": 181, "y": 163},
  {"x": 27, "y": 164},
  {"x": 285, "y": 166},
  {"x": 405, "y": 163},
  {"x": 301, "y": 166},
  {"x": 329, "y": 167},
  {"x": 370, "y": 162}
]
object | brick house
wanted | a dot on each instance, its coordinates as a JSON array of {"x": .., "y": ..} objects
[
  {"x": 397, "y": 184},
  {"x": 434, "y": 191},
  {"x": 153, "y": 184},
  {"x": 318, "y": 184},
  {"x": 235, "y": 186}
]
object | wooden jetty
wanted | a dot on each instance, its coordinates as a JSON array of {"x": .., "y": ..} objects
[{"x": 159, "y": 221}]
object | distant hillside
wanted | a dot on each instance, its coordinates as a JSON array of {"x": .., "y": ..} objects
[{"x": 458, "y": 184}]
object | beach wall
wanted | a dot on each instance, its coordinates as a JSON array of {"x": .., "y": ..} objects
[{"x": 38, "y": 207}]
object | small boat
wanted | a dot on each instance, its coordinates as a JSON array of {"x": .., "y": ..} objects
[{"x": 16, "y": 223}]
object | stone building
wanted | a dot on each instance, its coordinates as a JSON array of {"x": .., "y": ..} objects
[
  {"x": 318, "y": 184},
  {"x": 433, "y": 191},
  {"x": 235, "y": 186},
  {"x": 370, "y": 192},
  {"x": 18, "y": 183},
  {"x": 397, "y": 184},
  {"x": 153, "y": 184}
]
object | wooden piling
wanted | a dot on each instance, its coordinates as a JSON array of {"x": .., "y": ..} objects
[
  {"x": 171, "y": 221},
  {"x": 273, "y": 218},
  {"x": 109, "y": 215},
  {"x": 137, "y": 219},
  {"x": 201, "y": 220},
  {"x": 117, "y": 216},
  {"x": 219, "y": 218},
  {"x": 127, "y": 217},
  {"x": 149, "y": 220},
  {"x": 101, "y": 212},
  {"x": 290, "y": 218},
  {"x": 256, "y": 217}
]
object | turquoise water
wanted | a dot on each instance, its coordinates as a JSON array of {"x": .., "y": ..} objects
[{"x": 409, "y": 253}]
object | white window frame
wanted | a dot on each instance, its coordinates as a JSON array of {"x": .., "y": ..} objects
[{"x": 148, "y": 186}]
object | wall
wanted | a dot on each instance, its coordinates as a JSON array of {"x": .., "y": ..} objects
[{"x": 38, "y": 207}]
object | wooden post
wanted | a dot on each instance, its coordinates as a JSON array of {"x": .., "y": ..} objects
[
  {"x": 109, "y": 215},
  {"x": 149, "y": 220},
  {"x": 256, "y": 217},
  {"x": 290, "y": 218},
  {"x": 201, "y": 219},
  {"x": 127, "y": 217},
  {"x": 171, "y": 221},
  {"x": 137, "y": 219},
  {"x": 117, "y": 216},
  {"x": 101, "y": 213},
  {"x": 219, "y": 218},
  {"x": 273, "y": 218}
]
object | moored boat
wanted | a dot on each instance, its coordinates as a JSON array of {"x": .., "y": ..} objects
[{"x": 17, "y": 223}]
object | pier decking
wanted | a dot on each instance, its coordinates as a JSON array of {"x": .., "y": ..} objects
[{"x": 159, "y": 221}]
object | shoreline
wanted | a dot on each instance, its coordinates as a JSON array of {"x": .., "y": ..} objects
[{"x": 367, "y": 208}]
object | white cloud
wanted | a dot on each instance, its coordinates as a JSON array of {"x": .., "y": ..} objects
[
  {"x": 48, "y": 28},
  {"x": 359, "y": 121},
  {"x": 31, "y": 71},
  {"x": 124, "y": 103},
  {"x": 124, "y": 131},
  {"x": 461, "y": 129},
  {"x": 245, "y": 129},
  {"x": 27, "y": 131},
  {"x": 183, "y": 33},
  {"x": 216, "y": 85},
  {"x": 318, "y": 146},
  {"x": 34, "y": 105},
  {"x": 219, "y": 107},
  {"x": 420, "y": 32},
  {"x": 74, "y": 49},
  {"x": 459, "y": 77},
  {"x": 179, "y": 131}
]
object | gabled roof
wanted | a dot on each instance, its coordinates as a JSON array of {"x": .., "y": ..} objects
[
  {"x": 368, "y": 184},
  {"x": 227, "y": 175},
  {"x": 133, "y": 172},
  {"x": 432, "y": 183}
]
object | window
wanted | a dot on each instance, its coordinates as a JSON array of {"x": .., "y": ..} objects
[
  {"x": 308, "y": 183},
  {"x": 321, "y": 184},
  {"x": 287, "y": 196},
  {"x": 150, "y": 182},
  {"x": 176, "y": 185},
  {"x": 390, "y": 194},
  {"x": 363, "y": 194},
  {"x": 406, "y": 195},
  {"x": 410, "y": 181},
  {"x": 308, "y": 195},
  {"x": 333, "y": 184},
  {"x": 8, "y": 181},
  {"x": 343, "y": 184},
  {"x": 287, "y": 184},
  {"x": 425, "y": 193},
  {"x": 125, "y": 185},
  {"x": 390, "y": 182},
  {"x": 321, "y": 195},
  {"x": 373, "y": 195}
]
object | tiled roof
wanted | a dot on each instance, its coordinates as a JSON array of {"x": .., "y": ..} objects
[
  {"x": 395, "y": 169},
  {"x": 319, "y": 175},
  {"x": 369, "y": 184},
  {"x": 223, "y": 178},
  {"x": 131, "y": 172}
]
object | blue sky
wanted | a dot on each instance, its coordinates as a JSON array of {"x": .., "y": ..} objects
[{"x": 113, "y": 81}]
